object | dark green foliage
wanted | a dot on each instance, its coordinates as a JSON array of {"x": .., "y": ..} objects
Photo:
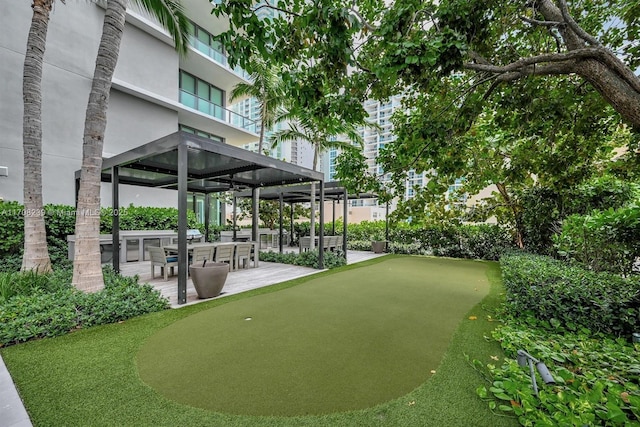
[
  {"x": 603, "y": 241},
  {"x": 12, "y": 230},
  {"x": 543, "y": 209},
  {"x": 483, "y": 241},
  {"x": 305, "y": 259},
  {"x": 597, "y": 378},
  {"x": 60, "y": 222},
  {"x": 38, "y": 306},
  {"x": 11, "y": 262},
  {"x": 571, "y": 296},
  {"x": 146, "y": 218}
]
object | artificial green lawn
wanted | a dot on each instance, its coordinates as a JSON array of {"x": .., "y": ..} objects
[{"x": 363, "y": 336}]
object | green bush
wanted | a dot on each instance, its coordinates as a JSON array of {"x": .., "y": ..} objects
[
  {"x": 603, "y": 241},
  {"x": 147, "y": 218},
  {"x": 571, "y": 296},
  {"x": 484, "y": 241},
  {"x": 597, "y": 378},
  {"x": 543, "y": 209},
  {"x": 49, "y": 306},
  {"x": 12, "y": 230},
  {"x": 305, "y": 259}
]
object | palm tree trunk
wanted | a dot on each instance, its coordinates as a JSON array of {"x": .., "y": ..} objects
[
  {"x": 36, "y": 255},
  {"x": 87, "y": 269}
]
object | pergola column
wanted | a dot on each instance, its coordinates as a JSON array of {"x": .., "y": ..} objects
[
  {"x": 255, "y": 199},
  {"x": 321, "y": 230},
  {"x": 281, "y": 236},
  {"x": 115, "y": 218},
  {"x": 183, "y": 154},
  {"x": 345, "y": 211}
]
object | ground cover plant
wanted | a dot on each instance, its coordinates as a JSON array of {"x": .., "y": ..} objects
[
  {"x": 597, "y": 377},
  {"x": 305, "y": 259},
  {"x": 580, "y": 324},
  {"x": 46, "y": 305},
  {"x": 91, "y": 376}
]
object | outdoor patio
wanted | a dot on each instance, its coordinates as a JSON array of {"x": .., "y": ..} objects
[{"x": 268, "y": 273}]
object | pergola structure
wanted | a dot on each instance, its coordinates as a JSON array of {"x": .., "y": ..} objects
[
  {"x": 301, "y": 193},
  {"x": 190, "y": 163}
]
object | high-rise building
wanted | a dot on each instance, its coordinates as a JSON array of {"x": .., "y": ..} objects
[
  {"x": 375, "y": 139},
  {"x": 155, "y": 92}
]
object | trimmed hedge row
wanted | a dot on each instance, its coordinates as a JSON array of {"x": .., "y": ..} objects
[
  {"x": 570, "y": 296},
  {"x": 483, "y": 241},
  {"x": 60, "y": 222},
  {"x": 52, "y": 307},
  {"x": 305, "y": 259}
]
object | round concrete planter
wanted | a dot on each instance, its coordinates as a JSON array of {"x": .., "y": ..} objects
[
  {"x": 209, "y": 280},
  {"x": 378, "y": 246}
]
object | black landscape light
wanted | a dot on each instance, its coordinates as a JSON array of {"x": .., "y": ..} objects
[{"x": 525, "y": 359}]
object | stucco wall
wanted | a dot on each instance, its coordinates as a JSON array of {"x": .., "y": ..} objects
[{"x": 72, "y": 41}]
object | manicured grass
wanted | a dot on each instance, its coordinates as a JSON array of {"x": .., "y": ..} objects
[{"x": 91, "y": 377}]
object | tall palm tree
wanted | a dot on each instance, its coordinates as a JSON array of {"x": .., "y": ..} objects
[
  {"x": 36, "y": 255},
  {"x": 323, "y": 133},
  {"x": 267, "y": 89},
  {"x": 87, "y": 269}
]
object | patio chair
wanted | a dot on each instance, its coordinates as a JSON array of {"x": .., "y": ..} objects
[
  {"x": 202, "y": 253},
  {"x": 159, "y": 257},
  {"x": 330, "y": 243},
  {"x": 243, "y": 255},
  {"x": 305, "y": 243},
  {"x": 225, "y": 253}
]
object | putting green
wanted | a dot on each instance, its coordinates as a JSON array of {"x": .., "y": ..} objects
[{"x": 338, "y": 342}]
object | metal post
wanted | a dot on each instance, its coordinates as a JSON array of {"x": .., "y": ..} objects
[
  {"x": 281, "y": 238},
  {"x": 115, "y": 219},
  {"x": 234, "y": 216},
  {"x": 183, "y": 170},
  {"x": 292, "y": 225},
  {"x": 321, "y": 231},
  {"x": 333, "y": 224},
  {"x": 207, "y": 213},
  {"x": 386, "y": 230},
  {"x": 345, "y": 208},
  {"x": 255, "y": 199}
]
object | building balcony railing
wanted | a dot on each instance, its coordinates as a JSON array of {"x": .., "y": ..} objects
[
  {"x": 217, "y": 56},
  {"x": 217, "y": 111}
]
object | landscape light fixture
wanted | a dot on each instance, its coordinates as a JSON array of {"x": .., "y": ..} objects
[{"x": 525, "y": 359}]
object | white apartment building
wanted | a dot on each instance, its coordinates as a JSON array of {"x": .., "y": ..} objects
[
  {"x": 375, "y": 139},
  {"x": 155, "y": 93}
]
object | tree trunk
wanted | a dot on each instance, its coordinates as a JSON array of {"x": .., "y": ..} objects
[
  {"x": 509, "y": 202},
  {"x": 87, "y": 269},
  {"x": 607, "y": 73},
  {"x": 36, "y": 255}
]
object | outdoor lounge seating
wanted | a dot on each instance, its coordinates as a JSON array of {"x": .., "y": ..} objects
[{"x": 159, "y": 257}]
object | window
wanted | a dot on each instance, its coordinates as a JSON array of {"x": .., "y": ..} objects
[
  {"x": 200, "y": 95},
  {"x": 201, "y": 133}
]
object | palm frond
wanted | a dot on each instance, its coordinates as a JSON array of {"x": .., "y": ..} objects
[{"x": 171, "y": 15}]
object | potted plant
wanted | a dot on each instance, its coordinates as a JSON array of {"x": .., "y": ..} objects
[
  {"x": 378, "y": 242},
  {"x": 209, "y": 278}
]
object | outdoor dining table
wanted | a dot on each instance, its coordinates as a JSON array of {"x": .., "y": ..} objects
[{"x": 191, "y": 246}]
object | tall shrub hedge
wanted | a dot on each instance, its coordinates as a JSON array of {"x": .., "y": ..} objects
[
  {"x": 60, "y": 222},
  {"x": 483, "y": 241},
  {"x": 602, "y": 241},
  {"x": 571, "y": 296}
]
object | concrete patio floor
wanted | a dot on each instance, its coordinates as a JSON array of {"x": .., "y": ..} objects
[{"x": 268, "y": 273}]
